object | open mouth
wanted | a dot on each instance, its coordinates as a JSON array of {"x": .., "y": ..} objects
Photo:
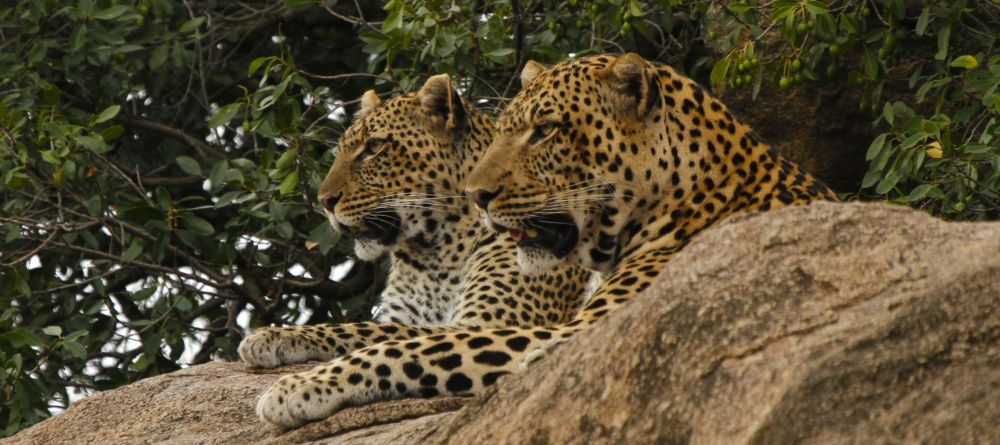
[
  {"x": 381, "y": 226},
  {"x": 556, "y": 233}
]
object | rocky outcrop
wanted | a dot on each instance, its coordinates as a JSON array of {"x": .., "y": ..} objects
[{"x": 832, "y": 323}]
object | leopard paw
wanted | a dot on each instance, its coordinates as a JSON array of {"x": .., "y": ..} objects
[
  {"x": 299, "y": 398},
  {"x": 275, "y": 346}
]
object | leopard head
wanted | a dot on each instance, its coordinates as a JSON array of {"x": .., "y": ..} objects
[
  {"x": 568, "y": 166},
  {"x": 397, "y": 175}
]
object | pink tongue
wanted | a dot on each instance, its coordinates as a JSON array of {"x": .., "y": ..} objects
[{"x": 517, "y": 235}]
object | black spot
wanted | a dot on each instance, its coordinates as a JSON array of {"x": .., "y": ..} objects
[
  {"x": 479, "y": 342},
  {"x": 495, "y": 358},
  {"x": 429, "y": 380},
  {"x": 413, "y": 370},
  {"x": 491, "y": 377},
  {"x": 518, "y": 343},
  {"x": 450, "y": 362},
  {"x": 393, "y": 353},
  {"x": 440, "y": 347},
  {"x": 355, "y": 378},
  {"x": 458, "y": 382},
  {"x": 383, "y": 370}
]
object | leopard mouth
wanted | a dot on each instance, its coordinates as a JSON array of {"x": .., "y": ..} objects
[
  {"x": 382, "y": 226},
  {"x": 556, "y": 233}
]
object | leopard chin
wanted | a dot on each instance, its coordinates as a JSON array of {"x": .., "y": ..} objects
[{"x": 535, "y": 261}]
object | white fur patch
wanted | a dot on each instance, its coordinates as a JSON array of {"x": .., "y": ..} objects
[{"x": 369, "y": 250}]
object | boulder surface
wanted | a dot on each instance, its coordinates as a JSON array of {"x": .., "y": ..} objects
[{"x": 831, "y": 323}]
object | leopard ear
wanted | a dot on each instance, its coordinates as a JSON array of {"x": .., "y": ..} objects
[
  {"x": 440, "y": 101},
  {"x": 531, "y": 70},
  {"x": 633, "y": 76},
  {"x": 369, "y": 101}
]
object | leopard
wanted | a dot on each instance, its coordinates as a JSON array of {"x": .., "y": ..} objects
[
  {"x": 654, "y": 158},
  {"x": 396, "y": 187}
]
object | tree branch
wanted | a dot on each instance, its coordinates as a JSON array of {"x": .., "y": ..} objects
[{"x": 201, "y": 146}]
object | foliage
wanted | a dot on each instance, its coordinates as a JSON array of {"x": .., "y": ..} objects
[
  {"x": 159, "y": 158},
  {"x": 929, "y": 72},
  {"x": 142, "y": 227}
]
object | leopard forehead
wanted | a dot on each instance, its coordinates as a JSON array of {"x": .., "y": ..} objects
[
  {"x": 555, "y": 86},
  {"x": 396, "y": 115}
]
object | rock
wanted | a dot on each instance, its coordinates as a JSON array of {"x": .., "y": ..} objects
[
  {"x": 209, "y": 404},
  {"x": 829, "y": 323}
]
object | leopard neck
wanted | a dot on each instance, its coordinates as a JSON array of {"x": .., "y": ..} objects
[{"x": 714, "y": 167}]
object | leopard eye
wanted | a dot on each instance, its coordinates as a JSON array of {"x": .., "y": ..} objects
[
  {"x": 541, "y": 131},
  {"x": 372, "y": 147}
]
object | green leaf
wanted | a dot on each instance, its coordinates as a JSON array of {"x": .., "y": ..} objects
[
  {"x": 920, "y": 192},
  {"x": 197, "y": 224},
  {"x": 91, "y": 143},
  {"x": 20, "y": 337},
  {"x": 53, "y": 330},
  {"x": 923, "y": 20},
  {"x": 719, "y": 71},
  {"x": 192, "y": 25},
  {"x": 255, "y": 65},
  {"x": 110, "y": 13},
  {"x": 158, "y": 57},
  {"x": 223, "y": 115},
  {"x": 75, "y": 349},
  {"x": 133, "y": 251},
  {"x": 189, "y": 165},
  {"x": 78, "y": 37},
  {"x": 143, "y": 294},
  {"x": 887, "y": 183},
  {"x": 739, "y": 7},
  {"x": 876, "y": 146},
  {"x": 888, "y": 112},
  {"x": 107, "y": 114},
  {"x": 393, "y": 22},
  {"x": 286, "y": 159},
  {"x": 943, "y": 38},
  {"x": 968, "y": 62},
  {"x": 288, "y": 185},
  {"x": 499, "y": 54}
]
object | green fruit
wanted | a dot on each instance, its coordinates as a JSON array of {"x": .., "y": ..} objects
[
  {"x": 579, "y": 23},
  {"x": 802, "y": 28},
  {"x": 797, "y": 78},
  {"x": 626, "y": 28},
  {"x": 755, "y": 62},
  {"x": 784, "y": 83},
  {"x": 712, "y": 34},
  {"x": 796, "y": 65},
  {"x": 834, "y": 49},
  {"x": 552, "y": 26},
  {"x": 747, "y": 79},
  {"x": 890, "y": 41},
  {"x": 882, "y": 53},
  {"x": 866, "y": 12},
  {"x": 831, "y": 71}
]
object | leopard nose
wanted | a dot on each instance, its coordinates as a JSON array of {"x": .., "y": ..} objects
[
  {"x": 482, "y": 197},
  {"x": 329, "y": 201}
]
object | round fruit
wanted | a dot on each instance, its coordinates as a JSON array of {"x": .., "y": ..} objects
[
  {"x": 834, "y": 49},
  {"x": 796, "y": 65},
  {"x": 784, "y": 83}
]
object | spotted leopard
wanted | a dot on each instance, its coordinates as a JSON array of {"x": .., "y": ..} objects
[
  {"x": 396, "y": 185},
  {"x": 654, "y": 157}
]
